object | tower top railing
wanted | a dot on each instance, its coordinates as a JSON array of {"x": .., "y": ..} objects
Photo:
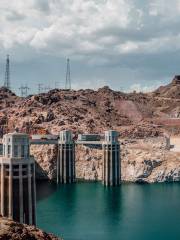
[
  {"x": 111, "y": 136},
  {"x": 65, "y": 136}
]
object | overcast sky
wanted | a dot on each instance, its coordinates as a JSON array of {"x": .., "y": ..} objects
[{"x": 126, "y": 44}]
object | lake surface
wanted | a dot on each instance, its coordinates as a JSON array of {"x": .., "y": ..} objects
[{"x": 85, "y": 211}]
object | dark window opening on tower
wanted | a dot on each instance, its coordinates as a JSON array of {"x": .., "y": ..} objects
[
  {"x": 9, "y": 150},
  {"x": 15, "y": 150},
  {"x": 22, "y": 151}
]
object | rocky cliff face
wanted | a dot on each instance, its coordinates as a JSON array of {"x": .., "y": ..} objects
[
  {"x": 10, "y": 230},
  {"x": 149, "y": 161},
  {"x": 46, "y": 159},
  {"x": 142, "y": 160},
  {"x": 89, "y": 163}
]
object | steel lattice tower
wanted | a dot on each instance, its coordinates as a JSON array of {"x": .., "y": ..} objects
[
  {"x": 24, "y": 90},
  {"x": 68, "y": 76},
  {"x": 40, "y": 88},
  {"x": 7, "y": 74}
]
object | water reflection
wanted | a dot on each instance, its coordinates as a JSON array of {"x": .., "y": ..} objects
[
  {"x": 44, "y": 189},
  {"x": 85, "y": 211},
  {"x": 113, "y": 203}
]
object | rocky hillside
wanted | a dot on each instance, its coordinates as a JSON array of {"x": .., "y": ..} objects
[
  {"x": 133, "y": 114},
  {"x": 171, "y": 90},
  {"x": 10, "y": 230}
]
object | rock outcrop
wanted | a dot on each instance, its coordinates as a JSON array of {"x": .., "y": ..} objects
[
  {"x": 46, "y": 159},
  {"x": 171, "y": 90},
  {"x": 89, "y": 163},
  {"x": 149, "y": 161},
  {"x": 11, "y": 230}
]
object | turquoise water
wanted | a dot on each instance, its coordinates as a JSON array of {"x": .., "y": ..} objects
[{"x": 85, "y": 211}]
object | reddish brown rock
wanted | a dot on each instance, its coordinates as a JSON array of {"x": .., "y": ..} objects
[
  {"x": 10, "y": 230},
  {"x": 133, "y": 114}
]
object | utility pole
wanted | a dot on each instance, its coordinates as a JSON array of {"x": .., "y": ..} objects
[
  {"x": 7, "y": 74},
  {"x": 68, "y": 76},
  {"x": 24, "y": 90}
]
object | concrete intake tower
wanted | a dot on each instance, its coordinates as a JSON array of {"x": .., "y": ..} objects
[
  {"x": 111, "y": 159},
  {"x": 17, "y": 179},
  {"x": 66, "y": 158}
]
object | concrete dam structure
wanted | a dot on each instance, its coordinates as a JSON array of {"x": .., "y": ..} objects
[
  {"x": 111, "y": 173},
  {"x": 66, "y": 154},
  {"x": 17, "y": 168}
]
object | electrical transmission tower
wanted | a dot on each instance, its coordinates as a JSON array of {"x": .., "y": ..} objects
[
  {"x": 24, "y": 90},
  {"x": 40, "y": 88},
  {"x": 47, "y": 88},
  {"x": 7, "y": 74},
  {"x": 68, "y": 76}
]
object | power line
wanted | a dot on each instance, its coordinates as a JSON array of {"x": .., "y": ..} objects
[
  {"x": 7, "y": 74},
  {"x": 42, "y": 88},
  {"x": 24, "y": 90},
  {"x": 68, "y": 76},
  {"x": 47, "y": 88},
  {"x": 56, "y": 84}
]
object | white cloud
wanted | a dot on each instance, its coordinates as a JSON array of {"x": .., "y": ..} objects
[
  {"x": 129, "y": 34},
  {"x": 166, "y": 9},
  {"x": 128, "y": 47},
  {"x": 78, "y": 27},
  {"x": 138, "y": 87},
  {"x": 63, "y": 26},
  {"x": 89, "y": 83}
]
